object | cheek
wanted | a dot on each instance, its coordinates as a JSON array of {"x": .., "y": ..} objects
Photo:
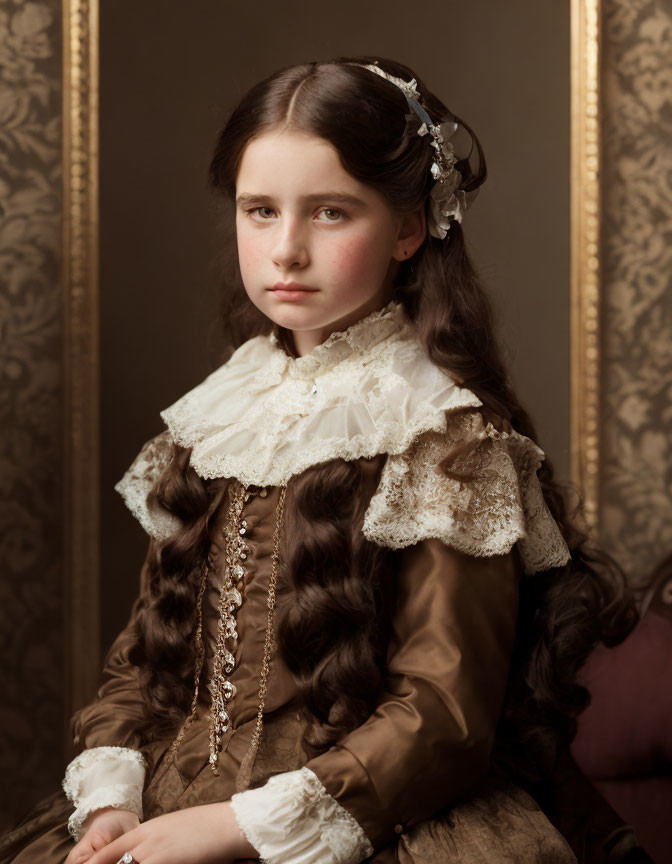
[
  {"x": 249, "y": 253},
  {"x": 360, "y": 259}
]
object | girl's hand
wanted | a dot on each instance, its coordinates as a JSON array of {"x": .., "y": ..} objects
[
  {"x": 102, "y": 827},
  {"x": 207, "y": 834}
]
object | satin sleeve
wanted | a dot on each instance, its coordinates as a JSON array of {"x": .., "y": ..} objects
[
  {"x": 429, "y": 740},
  {"x": 109, "y": 770},
  {"x": 113, "y": 716}
]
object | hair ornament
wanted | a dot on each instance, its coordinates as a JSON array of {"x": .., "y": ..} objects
[{"x": 446, "y": 200}]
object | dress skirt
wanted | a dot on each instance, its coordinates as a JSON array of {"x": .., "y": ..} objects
[{"x": 501, "y": 824}]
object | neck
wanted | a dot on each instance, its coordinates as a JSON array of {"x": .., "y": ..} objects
[{"x": 305, "y": 341}]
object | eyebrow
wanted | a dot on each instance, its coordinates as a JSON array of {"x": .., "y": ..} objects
[{"x": 246, "y": 198}]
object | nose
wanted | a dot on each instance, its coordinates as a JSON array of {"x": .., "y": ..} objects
[{"x": 290, "y": 249}]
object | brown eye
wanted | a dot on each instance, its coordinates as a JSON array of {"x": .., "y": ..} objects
[
  {"x": 261, "y": 213},
  {"x": 330, "y": 212}
]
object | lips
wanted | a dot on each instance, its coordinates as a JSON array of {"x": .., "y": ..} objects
[{"x": 291, "y": 286}]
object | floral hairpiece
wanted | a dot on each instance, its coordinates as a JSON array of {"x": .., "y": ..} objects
[{"x": 446, "y": 200}]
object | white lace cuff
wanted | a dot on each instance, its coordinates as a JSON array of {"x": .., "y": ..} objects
[
  {"x": 104, "y": 777},
  {"x": 292, "y": 818}
]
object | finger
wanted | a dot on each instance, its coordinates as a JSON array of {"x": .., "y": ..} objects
[
  {"x": 79, "y": 853},
  {"x": 111, "y": 853},
  {"x": 98, "y": 840}
]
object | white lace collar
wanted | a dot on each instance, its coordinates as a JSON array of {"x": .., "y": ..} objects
[{"x": 264, "y": 416}]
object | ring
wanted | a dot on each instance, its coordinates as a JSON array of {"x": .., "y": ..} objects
[{"x": 127, "y": 858}]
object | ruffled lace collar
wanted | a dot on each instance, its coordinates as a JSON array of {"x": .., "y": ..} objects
[{"x": 264, "y": 416}]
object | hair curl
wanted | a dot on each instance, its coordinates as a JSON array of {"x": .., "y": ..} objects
[{"x": 335, "y": 572}]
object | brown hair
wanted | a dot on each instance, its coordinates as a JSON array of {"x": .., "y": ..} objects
[{"x": 334, "y": 570}]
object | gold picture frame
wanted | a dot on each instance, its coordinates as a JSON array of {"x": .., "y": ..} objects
[
  {"x": 81, "y": 352},
  {"x": 81, "y": 303},
  {"x": 584, "y": 288}
]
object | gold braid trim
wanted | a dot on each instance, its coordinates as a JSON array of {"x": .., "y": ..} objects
[{"x": 247, "y": 764}]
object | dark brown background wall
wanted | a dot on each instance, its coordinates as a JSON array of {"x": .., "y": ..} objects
[{"x": 169, "y": 72}]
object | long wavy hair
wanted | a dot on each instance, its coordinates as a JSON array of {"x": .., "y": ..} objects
[{"x": 332, "y": 636}]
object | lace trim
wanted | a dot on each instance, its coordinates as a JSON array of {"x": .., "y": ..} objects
[
  {"x": 111, "y": 796},
  {"x": 263, "y": 416},
  {"x": 500, "y": 505},
  {"x": 293, "y": 818},
  {"x": 104, "y": 777},
  {"x": 136, "y": 483}
]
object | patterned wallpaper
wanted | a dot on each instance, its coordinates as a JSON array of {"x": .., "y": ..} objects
[
  {"x": 31, "y": 630},
  {"x": 636, "y": 448}
]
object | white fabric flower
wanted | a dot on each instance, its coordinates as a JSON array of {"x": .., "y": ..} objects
[{"x": 445, "y": 204}]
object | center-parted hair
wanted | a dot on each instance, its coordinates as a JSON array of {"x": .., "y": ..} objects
[{"x": 337, "y": 576}]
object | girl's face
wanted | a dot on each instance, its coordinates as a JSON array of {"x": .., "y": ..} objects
[{"x": 302, "y": 219}]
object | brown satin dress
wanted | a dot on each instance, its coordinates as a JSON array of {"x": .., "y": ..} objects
[{"x": 416, "y": 775}]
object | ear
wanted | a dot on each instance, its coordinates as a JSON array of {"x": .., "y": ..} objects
[{"x": 412, "y": 230}]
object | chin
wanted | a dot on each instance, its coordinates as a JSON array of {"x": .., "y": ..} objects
[{"x": 293, "y": 315}]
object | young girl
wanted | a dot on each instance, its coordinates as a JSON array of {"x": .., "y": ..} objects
[{"x": 364, "y": 605}]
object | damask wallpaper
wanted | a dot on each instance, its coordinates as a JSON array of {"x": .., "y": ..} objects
[
  {"x": 636, "y": 414},
  {"x": 31, "y": 592}
]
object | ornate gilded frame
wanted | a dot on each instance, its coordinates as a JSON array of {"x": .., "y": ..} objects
[
  {"x": 80, "y": 303},
  {"x": 81, "y": 351},
  {"x": 584, "y": 289}
]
